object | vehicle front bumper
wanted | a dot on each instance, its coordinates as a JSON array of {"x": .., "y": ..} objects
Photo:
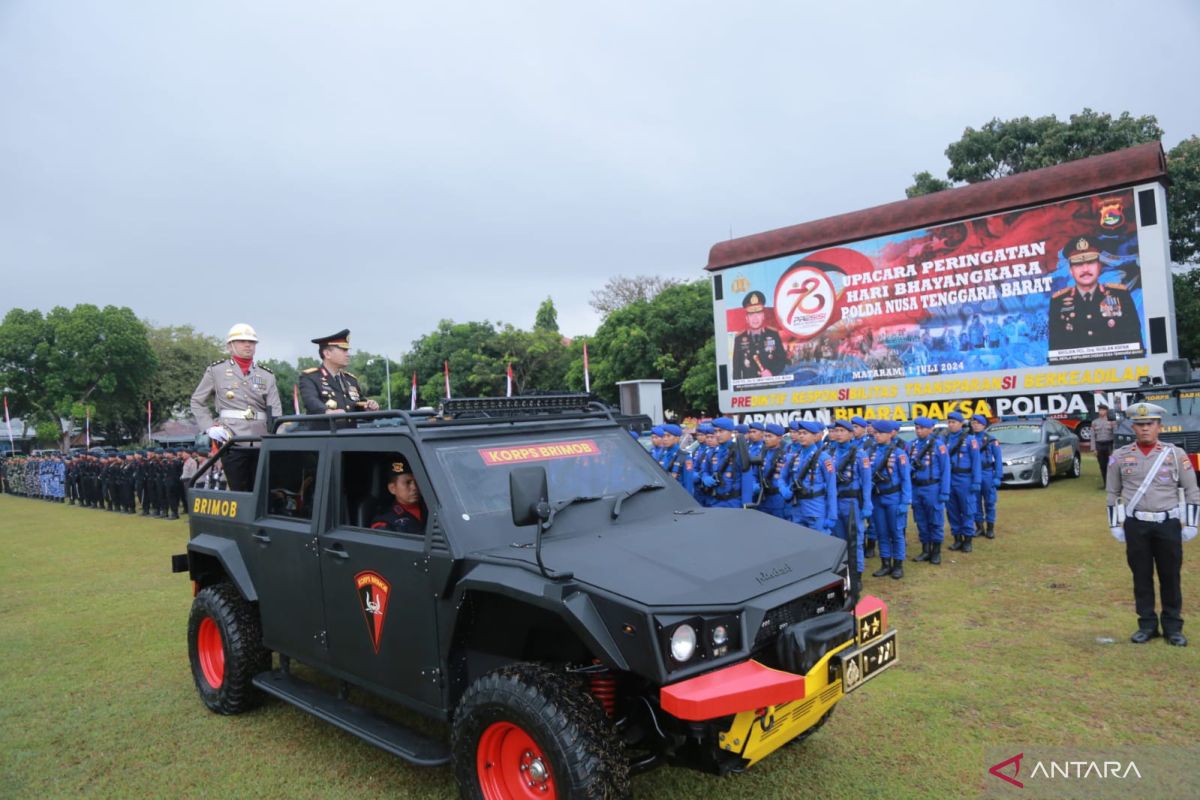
[
  {"x": 1021, "y": 474},
  {"x": 770, "y": 707}
]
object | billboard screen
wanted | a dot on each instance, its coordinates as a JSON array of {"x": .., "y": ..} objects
[{"x": 1004, "y": 304}]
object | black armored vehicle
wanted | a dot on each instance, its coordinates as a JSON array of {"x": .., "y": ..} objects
[{"x": 560, "y": 608}]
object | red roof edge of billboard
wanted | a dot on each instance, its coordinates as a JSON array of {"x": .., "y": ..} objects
[{"x": 1116, "y": 170}]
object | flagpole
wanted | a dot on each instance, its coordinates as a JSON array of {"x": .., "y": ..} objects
[
  {"x": 87, "y": 427},
  {"x": 296, "y": 398},
  {"x": 446, "y": 370},
  {"x": 8, "y": 422},
  {"x": 510, "y": 380},
  {"x": 587, "y": 379},
  {"x": 149, "y": 424},
  {"x": 413, "y": 394}
]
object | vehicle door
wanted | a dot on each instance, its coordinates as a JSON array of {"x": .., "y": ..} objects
[
  {"x": 380, "y": 604},
  {"x": 282, "y": 550}
]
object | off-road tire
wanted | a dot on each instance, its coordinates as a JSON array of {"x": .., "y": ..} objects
[
  {"x": 569, "y": 733},
  {"x": 225, "y": 649}
]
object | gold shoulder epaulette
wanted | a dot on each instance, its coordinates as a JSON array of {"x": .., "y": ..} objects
[
  {"x": 220, "y": 361},
  {"x": 265, "y": 369},
  {"x": 1061, "y": 292},
  {"x": 309, "y": 370},
  {"x": 351, "y": 374},
  {"x": 1120, "y": 286}
]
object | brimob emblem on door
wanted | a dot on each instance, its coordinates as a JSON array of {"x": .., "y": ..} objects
[{"x": 373, "y": 591}]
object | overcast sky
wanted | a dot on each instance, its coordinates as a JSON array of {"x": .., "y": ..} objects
[{"x": 305, "y": 166}]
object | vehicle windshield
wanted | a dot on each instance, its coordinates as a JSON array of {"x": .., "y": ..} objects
[
  {"x": 1017, "y": 434},
  {"x": 598, "y": 464}
]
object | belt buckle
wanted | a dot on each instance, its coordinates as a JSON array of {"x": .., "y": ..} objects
[{"x": 249, "y": 414}]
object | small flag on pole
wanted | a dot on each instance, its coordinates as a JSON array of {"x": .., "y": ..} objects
[
  {"x": 587, "y": 379},
  {"x": 87, "y": 425},
  {"x": 413, "y": 397},
  {"x": 8, "y": 422},
  {"x": 446, "y": 370},
  {"x": 149, "y": 423},
  {"x": 296, "y": 398},
  {"x": 509, "y": 379}
]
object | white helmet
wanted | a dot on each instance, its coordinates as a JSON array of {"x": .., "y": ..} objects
[{"x": 241, "y": 332}]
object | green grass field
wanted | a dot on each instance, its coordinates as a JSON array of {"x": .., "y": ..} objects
[{"x": 999, "y": 648}]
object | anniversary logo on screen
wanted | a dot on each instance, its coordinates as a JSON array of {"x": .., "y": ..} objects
[{"x": 1056, "y": 284}]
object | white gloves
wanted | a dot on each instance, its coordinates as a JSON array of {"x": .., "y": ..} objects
[
  {"x": 1189, "y": 533},
  {"x": 218, "y": 434},
  {"x": 1118, "y": 533}
]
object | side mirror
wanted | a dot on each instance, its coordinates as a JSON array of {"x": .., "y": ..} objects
[
  {"x": 1054, "y": 437},
  {"x": 529, "y": 495}
]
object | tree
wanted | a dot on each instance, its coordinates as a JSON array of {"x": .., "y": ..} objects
[
  {"x": 925, "y": 183},
  {"x": 669, "y": 337},
  {"x": 547, "y": 317},
  {"x": 1183, "y": 201},
  {"x": 621, "y": 291},
  {"x": 1187, "y": 313},
  {"x": 71, "y": 359},
  {"x": 286, "y": 376},
  {"x": 182, "y": 355}
]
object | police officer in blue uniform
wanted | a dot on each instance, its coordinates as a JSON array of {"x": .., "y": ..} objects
[
  {"x": 991, "y": 471},
  {"x": 774, "y": 459},
  {"x": 853, "y": 470},
  {"x": 963, "y": 450},
  {"x": 755, "y": 436},
  {"x": 674, "y": 459},
  {"x": 723, "y": 471},
  {"x": 930, "y": 469},
  {"x": 891, "y": 482},
  {"x": 704, "y": 435},
  {"x": 807, "y": 481},
  {"x": 864, "y": 437}
]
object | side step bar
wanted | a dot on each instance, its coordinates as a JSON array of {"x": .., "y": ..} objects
[{"x": 385, "y": 734}]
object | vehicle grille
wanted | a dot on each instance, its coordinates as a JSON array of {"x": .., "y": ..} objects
[
  {"x": 807, "y": 607},
  {"x": 1188, "y": 440}
]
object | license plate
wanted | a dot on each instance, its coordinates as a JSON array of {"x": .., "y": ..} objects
[{"x": 859, "y": 666}]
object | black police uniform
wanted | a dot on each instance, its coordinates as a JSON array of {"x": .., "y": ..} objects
[{"x": 754, "y": 351}]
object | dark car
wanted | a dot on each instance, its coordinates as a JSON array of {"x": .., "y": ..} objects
[
  {"x": 1036, "y": 450},
  {"x": 561, "y": 606}
]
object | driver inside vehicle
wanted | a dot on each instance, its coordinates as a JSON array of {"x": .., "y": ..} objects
[{"x": 407, "y": 513}]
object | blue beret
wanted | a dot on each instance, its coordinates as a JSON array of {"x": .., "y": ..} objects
[
  {"x": 843, "y": 423},
  {"x": 724, "y": 423},
  {"x": 635, "y": 434},
  {"x": 857, "y": 420},
  {"x": 757, "y": 426},
  {"x": 771, "y": 427},
  {"x": 672, "y": 429},
  {"x": 955, "y": 415},
  {"x": 885, "y": 426},
  {"x": 923, "y": 422},
  {"x": 705, "y": 427},
  {"x": 794, "y": 424},
  {"x": 657, "y": 430},
  {"x": 742, "y": 428},
  {"x": 812, "y": 426},
  {"x": 981, "y": 419}
]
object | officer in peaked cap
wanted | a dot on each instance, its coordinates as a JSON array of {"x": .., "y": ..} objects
[
  {"x": 1088, "y": 313},
  {"x": 245, "y": 394},
  {"x": 1145, "y": 512},
  {"x": 758, "y": 351},
  {"x": 329, "y": 388}
]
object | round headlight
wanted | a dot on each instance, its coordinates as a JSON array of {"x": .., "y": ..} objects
[
  {"x": 683, "y": 643},
  {"x": 720, "y": 635}
]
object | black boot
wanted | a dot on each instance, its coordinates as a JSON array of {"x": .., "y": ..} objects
[
  {"x": 958, "y": 542},
  {"x": 885, "y": 568},
  {"x": 935, "y": 553},
  {"x": 966, "y": 543},
  {"x": 926, "y": 551},
  {"x": 869, "y": 549},
  {"x": 979, "y": 528},
  {"x": 991, "y": 530},
  {"x": 897, "y": 568}
]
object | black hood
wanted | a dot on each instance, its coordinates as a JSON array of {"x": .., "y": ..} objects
[{"x": 705, "y": 557}]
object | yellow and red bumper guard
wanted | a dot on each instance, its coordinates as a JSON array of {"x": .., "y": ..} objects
[{"x": 772, "y": 707}]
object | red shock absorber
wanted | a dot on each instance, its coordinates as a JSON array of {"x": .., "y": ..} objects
[{"x": 604, "y": 688}]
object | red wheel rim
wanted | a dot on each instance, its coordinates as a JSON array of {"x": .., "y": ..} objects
[
  {"x": 512, "y": 765},
  {"x": 211, "y": 652}
]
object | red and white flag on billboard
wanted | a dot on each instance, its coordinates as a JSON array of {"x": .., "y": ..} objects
[
  {"x": 413, "y": 396},
  {"x": 446, "y": 371},
  {"x": 8, "y": 422},
  {"x": 296, "y": 398},
  {"x": 587, "y": 379},
  {"x": 509, "y": 380}
]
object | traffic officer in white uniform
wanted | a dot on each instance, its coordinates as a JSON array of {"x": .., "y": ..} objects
[
  {"x": 244, "y": 393},
  {"x": 1153, "y": 506}
]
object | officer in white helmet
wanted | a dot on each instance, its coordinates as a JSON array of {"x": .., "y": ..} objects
[{"x": 244, "y": 394}]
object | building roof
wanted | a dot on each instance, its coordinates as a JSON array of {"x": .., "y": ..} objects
[{"x": 1121, "y": 169}]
